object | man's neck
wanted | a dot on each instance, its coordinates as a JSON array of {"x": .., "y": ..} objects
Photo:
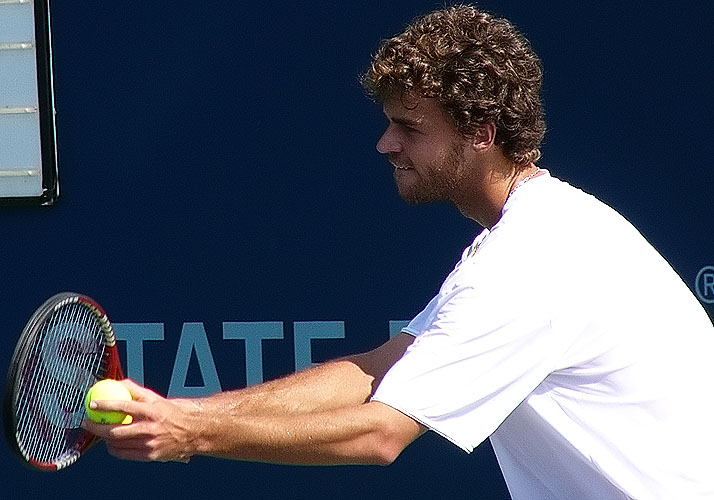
[{"x": 484, "y": 197}]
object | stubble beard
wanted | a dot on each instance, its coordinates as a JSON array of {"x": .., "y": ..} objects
[{"x": 435, "y": 182}]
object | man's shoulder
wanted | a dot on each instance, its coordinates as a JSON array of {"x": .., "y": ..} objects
[{"x": 548, "y": 202}]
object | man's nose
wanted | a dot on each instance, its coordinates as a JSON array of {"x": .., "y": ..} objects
[{"x": 389, "y": 143}]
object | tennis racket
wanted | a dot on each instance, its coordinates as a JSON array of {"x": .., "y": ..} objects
[{"x": 67, "y": 345}]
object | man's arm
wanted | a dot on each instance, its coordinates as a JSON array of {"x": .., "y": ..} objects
[
  {"x": 318, "y": 416},
  {"x": 336, "y": 384}
]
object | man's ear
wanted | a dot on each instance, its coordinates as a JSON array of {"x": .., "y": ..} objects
[{"x": 484, "y": 137}]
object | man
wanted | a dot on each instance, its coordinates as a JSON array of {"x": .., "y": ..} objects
[{"x": 561, "y": 334}]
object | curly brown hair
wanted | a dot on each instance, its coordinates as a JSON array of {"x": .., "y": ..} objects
[{"x": 479, "y": 68}]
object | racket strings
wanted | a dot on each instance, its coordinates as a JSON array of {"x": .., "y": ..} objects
[
  {"x": 29, "y": 394},
  {"x": 30, "y": 431},
  {"x": 50, "y": 448},
  {"x": 68, "y": 402},
  {"x": 70, "y": 410},
  {"x": 50, "y": 404},
  {"x": 35, "y": 417}
]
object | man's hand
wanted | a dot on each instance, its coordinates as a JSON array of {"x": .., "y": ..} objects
[{"x": 159, "y": 431}]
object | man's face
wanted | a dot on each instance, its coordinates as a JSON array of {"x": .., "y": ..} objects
[{"x": 425, "y": 148}]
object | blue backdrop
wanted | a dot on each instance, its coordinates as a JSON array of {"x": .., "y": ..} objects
[{"x": 217, "y": 166}]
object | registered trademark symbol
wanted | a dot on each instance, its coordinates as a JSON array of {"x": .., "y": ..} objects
[{"x": 705, "y": 285}]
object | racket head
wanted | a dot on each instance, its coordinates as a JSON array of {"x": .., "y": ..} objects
[{"x": 67, "y": 345}]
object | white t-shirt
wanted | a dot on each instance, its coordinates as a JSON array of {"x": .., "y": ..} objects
[{"x": 565, "y": 337}]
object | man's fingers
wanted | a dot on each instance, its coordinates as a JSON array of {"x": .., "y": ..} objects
[
  {"x": 140, "y": 454},
  {"x": 137, "y": 409},
  {"x": 98, "y": 430},
  {"x": 139, "y": 393},
  {"x": 112, "y": 432},
  {"x": 144, "y": 448},
  {"x": 154, "y": 434},
  {"x": 128, "y": 452}
]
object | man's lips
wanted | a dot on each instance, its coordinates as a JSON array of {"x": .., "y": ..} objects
[{"x": 398, "y": 165}]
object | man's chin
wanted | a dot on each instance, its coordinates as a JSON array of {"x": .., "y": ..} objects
[{"x": 414, "y": 197}]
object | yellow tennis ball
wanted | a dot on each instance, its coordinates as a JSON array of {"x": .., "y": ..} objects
[{"x": 108, "y": 389}]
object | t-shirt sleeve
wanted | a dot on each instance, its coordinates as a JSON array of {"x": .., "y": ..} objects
[{"x": 475, "y": 358}]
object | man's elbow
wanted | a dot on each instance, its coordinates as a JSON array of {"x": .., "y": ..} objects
[
  {"x": 385, "y": 454},
  {"x": 385, "y": 433},
  {"x": 390, "y": 440}
]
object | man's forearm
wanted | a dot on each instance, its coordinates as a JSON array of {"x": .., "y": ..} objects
[
  {"x": 331, "y": 385},
  {"x": 336, "y": 384},
  {"x": 366, "y": 434}
]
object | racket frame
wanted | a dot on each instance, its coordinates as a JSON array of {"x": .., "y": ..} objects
[{"x": 110, "y": 367}]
